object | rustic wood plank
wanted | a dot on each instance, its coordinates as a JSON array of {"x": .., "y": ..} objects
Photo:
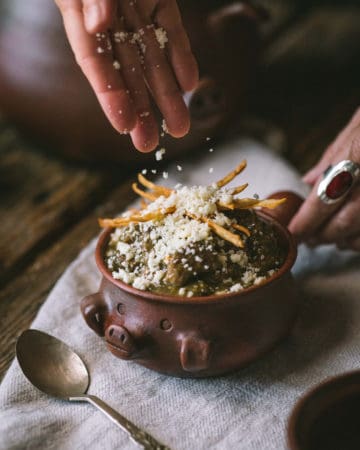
[
  {"x": 21, "y": 299},
  {"x": 39, "y": 197}
]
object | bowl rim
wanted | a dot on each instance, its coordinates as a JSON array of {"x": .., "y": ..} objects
[
  {"x": 330, "y": 383},
  {"x": 207, "y": 299}
]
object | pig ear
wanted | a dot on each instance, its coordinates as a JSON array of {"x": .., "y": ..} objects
[
  {"x": 93, "y": 310},
  {"x": 194, "y": 352}
]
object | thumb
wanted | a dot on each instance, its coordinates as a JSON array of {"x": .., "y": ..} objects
[{"x": 98, "y": 14}]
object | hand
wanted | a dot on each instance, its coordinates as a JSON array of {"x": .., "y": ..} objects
[
  {"x": 318, "y": 223},
  {"x": 130, "y": 50}
]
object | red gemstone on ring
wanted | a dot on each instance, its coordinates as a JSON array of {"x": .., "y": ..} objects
[{"x": 339, "y": 185}]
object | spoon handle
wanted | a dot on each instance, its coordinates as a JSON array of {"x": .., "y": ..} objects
[{"x": 139, "y": 436}]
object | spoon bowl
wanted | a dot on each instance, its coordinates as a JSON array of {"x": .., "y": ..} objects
[
  {"x": 51, "y": 366},
  {"x": 54, "y": 368}
]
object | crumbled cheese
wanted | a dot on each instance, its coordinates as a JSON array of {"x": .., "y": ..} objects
[
  {"x": 211, "y": 170},
  {"x": 179, "y": 168},
  {"x": 159, "y": 154},
  {"x": 164, "y": 126},
  {"x": 116, "y": 65},
  {"x": 120, "y": 36},
  {"x": 161, "y": 37},
  {"x": 165, "y": 175},
  {"x": 236, "y": 288},
  {"x": 144, "y": 171},
  {"x": 139, "y": 253},
  {"x": 211, "y": 150},
  {"x": 100, "y": 50}
]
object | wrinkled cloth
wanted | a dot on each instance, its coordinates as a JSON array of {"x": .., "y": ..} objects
[{"x": 246, "y": 410}]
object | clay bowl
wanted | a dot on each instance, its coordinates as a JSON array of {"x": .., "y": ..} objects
[
  {"x": 198, "y": 336},
  {"x": 327, "y": 417}
]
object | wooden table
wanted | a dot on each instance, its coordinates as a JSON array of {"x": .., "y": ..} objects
[{"x": 308, "y": 87}]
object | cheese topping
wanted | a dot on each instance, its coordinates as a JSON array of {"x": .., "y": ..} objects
[{"x": 177, "y": 253}]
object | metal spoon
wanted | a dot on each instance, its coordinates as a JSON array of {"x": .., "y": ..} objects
[{"x": 51, "y": 366}]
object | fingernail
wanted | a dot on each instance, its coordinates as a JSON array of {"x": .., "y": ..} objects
[{"x": 92, "y": 16}]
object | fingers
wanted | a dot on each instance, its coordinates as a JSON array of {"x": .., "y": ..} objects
[
  {"x": 98, "y": 14},
  {"x": 324, "y": 223},
  {"x": 94, "y": 56},
  {"x": 158, "y": 74},
  {"x": 311, "y": 216},
  {"x": 179, "y": 51},
  {"x": 344, "y": 225},
  {"x": 145, "y": 133},
  {"x": 335, "y": 148},
  {"x": 123, "y": 86}
]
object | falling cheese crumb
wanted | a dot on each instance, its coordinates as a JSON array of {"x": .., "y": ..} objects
[{"x": 159, "y": 154}]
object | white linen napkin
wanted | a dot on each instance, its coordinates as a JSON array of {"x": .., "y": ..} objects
[{"x": 246, "y": 410}]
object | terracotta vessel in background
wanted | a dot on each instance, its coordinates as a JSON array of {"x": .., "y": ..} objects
[
  {"x": 327, "y": 417},
  {"x": 43, "y": 92},
  {"x": 198, "y": 336}
]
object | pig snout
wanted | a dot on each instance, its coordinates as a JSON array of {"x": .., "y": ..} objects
[{"x": 120, "y": 341}]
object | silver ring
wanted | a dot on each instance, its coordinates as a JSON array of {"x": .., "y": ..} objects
[{"x": 337, "y": 181}]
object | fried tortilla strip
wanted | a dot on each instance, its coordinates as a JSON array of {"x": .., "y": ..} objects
[
  {"x": 230, "y": 176},
  {"x": 133, "y": 211},
  {"x": 152, "y": 186},
  {"x": 148, "y": 195},
  {"x": 220, "y": 231},
  {"x": 136, "y": 218},
  {"x": 239, "y": 189},
  {"x": 241, "y": 228},
  {"x": 224, "y": 206},
  {"x": 143, "y": 204},
  {"x": 246, "y": 203},
  {"x": 225, "y": 234}
]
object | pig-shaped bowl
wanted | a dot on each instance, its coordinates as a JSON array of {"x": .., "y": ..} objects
[{"x": 198, "y": 336}]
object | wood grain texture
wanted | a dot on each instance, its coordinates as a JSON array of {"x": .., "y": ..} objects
[
  {"x": 21, "y": 299},
  {"x": 39, "y": 198}
]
